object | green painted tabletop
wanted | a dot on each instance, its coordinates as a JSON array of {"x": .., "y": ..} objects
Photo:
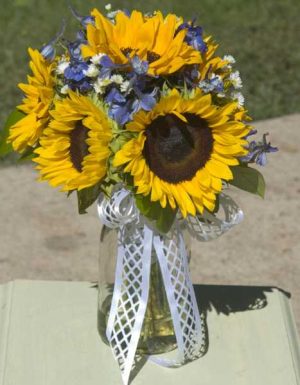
[{"x": 48, "y": 336}]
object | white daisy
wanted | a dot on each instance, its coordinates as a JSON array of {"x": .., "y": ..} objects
[
  {"x": 92, "y": 71},
  {"x": 118, "y": 79},
  {"x": 100, "y": 85},
  {"x": 65, "y": 89},
  {"x": 229, "y": 58},
  {"x": 61, "y": 67},
  {"x": 239, "y": 97},
  {"x": 236, "y": 80},
  {"x": 125, "y": 86},
  {"x": 112, "y": 15},
  {"x": 97, "y": 58}
]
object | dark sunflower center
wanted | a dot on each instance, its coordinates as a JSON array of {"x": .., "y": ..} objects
[
  {"x": 78, "y": 145},
  {"x": 175, "y": 150},
  {"x": 152, "y": 56}
]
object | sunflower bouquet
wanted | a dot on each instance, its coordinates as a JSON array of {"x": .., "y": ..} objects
[
  {"x": 140, "y": 109},
  {"x": 140, "y": 100}
]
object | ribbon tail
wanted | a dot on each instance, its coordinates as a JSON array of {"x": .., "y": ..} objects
[
  {"x": 189, "y": 331},
  {"x": 130, "y": 296}
]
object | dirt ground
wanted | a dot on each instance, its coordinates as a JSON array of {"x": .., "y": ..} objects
[{"x": 43, "y": 237}]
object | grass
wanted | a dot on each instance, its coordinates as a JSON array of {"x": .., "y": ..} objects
[{"x": 262, "y": 35}]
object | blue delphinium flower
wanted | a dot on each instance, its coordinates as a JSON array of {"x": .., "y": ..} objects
[
  {"x": 138, "y": 76},
  {"x": 217, "y": 84},
  {"x": 258, "y": 152},
  {"x": 251, "y": 133},
  {"x": 126, "y": 12},
  {"x": 115, "y": 96},
  {"x": 145, "y": 101},
  {"x": 214, "y": 84},
  {"x": 75, "y": 71},
  {"x": 122, "y": 113},
  {"x": 84, "y": 20},
  {"x": 139, "y": 66},
  {"x": 48, "y": 50},
  {"x": 194, "y": 36},
  {"x": 108, "y": 66},
  {"x": 83, "y": 86},
  {"x": 74, "y": 49},
  {"x": 122, "y": 108}
]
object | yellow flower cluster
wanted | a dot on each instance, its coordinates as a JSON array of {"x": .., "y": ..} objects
[
  {"x": 39, "y": 93},
  {"x": 177, "y": 154},
  {"x": 205, "y": 145},
  {"x": 150, "y": 38}
]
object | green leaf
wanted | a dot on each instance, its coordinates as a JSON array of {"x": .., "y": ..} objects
[
  {"x": 147, "y": 208},
  {"x": 28, "y": 154},
  {"x": 166, "y": 219},
  {"x": 14, "y": 117},
  {"x": 248, "y": 179},
  {"x": 120, "y": 140},
  {"x": 163, "y": 217},
  {"x": 87, "y": 197}
]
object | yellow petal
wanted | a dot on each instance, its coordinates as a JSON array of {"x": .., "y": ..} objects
[{"x": 219, "y": 169}]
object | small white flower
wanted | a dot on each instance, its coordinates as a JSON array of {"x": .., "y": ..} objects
[
  {"x": 239, "y": 97},
  {"x": 112, "y": 15},
  {"x": 108, "y": 7},
  {"x": 61, "y": 67},
  {"x": 97, "y": 58},
  {"x": 118, "y": 79},
  {"x": 100, "y": 85},
  {"x": 221, "y": 95},
  {"x": 92, "y": 71},
  {"x": 236, "y": 80},
  {"x": 65, "y": 89},
  {"x": 229, "y": 58},
  {"x": 125, "y": 86}
]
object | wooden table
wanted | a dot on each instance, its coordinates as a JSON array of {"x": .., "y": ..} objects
[{"x": 48, "y": 336}]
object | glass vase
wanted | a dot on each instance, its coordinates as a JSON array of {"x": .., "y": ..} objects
[{"x": 157, "y": 335}]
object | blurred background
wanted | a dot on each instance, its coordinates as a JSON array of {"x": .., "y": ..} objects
[{"x": 41, "y": 234}]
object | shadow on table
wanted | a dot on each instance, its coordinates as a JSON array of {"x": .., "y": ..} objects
[
  {"x": 223, "y": 299},
  {"x": 226, "y": 299},
  {"x": 231, "y": 299}
]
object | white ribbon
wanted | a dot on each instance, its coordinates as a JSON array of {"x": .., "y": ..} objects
[{"x": 138, "y": 243}]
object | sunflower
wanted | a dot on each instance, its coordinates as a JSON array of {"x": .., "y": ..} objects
[
  {"x": 210, "y": 62},
  {"x": 74, "y": 148},
  {"x": 183, "y": 149},
  {"x": 154, "y": 39},
  {"x": 39, "y": 93}
]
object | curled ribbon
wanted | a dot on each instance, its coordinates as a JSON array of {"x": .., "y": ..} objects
[{"x": 138, "y": 243}]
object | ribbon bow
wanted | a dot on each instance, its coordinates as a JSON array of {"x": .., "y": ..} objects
[{"x": 138, "y": 244}]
